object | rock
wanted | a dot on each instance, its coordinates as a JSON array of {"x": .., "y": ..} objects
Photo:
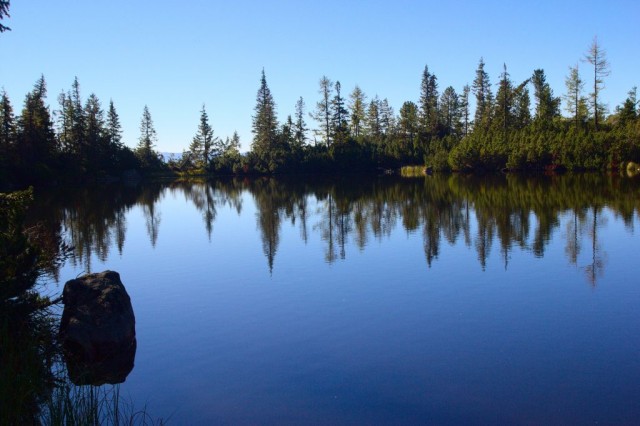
[{"x": 98, "y": 329}]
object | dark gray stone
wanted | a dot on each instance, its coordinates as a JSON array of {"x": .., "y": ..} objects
[{"x": 98, "y": 329}]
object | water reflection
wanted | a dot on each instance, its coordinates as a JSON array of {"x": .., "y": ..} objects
[{"x": 490, "y": 213}]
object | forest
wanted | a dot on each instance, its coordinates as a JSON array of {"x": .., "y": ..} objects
[{"x": 510, "y": 130}]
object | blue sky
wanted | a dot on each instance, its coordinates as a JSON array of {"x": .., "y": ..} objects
[{"x": 175, "y": 56}]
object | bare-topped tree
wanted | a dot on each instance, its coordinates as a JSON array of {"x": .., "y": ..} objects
[{"x": 597, "y": 57}]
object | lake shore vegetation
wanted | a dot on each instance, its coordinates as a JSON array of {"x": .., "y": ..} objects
[{"x": 503, "y": 126}]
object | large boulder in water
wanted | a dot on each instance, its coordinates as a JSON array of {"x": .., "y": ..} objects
[{"x": 98, "y": 329}]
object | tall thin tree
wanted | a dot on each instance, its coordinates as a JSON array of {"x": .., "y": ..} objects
[{"x": 597, "y": 57}]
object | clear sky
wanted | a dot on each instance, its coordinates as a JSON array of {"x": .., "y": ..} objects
[{"x": 175, "y": 56}]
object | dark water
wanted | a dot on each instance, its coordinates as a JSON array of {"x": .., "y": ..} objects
[{"x": 445, "y": 300}]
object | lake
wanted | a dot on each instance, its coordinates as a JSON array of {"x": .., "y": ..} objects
[{"x": 437, "y": 300}]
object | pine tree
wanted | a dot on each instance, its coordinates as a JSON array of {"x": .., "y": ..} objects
[
  {"x": 205, "y": 145},
  {"x": 521, "y": 106},
  {"x": 357, "y": 108},
  {"x": 387, "y": 118},
  {"x": 429, "y": 103},
  {"x": 629, "y": 110},
  {"x": 7, "y": 133},
  {"x": 35, "y": 146},
  {"x": 450, "y": 110},
  {"x": 465, "y": 110},
  {"x": 65, "y": 122},
  {"x": 96, "y": 151},
  {"x": 322, "y": 113},
  {"x": 7, "y": 125},
  {"x": 373, "y": 126},
  {"x": 409, "y": 123},
  {"x": 265, "y": 125},
  {"x": 78, "y": 124},
  {"x": 484, "y": 99},
  {"x": 147, "y": 140},
  {"x": 547, "y": 105},
  {"x": 4, "y": 11},
  {"x": 339, "y": 114},
  {"x": 576, "y": 103},
  {"x": 233, "y": 148},
  {"x": 114, "y": 129},
  {"x": 299, "y": 126},
  {"x": 503, "y": 111},
  {"x": 597, "y": 57}
]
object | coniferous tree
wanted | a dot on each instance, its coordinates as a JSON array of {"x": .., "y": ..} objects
[
  {"x": 429, "y": 103},
  {"x": 205, "y": 145},
  {"x": 408, "y": 124},
  {"x": 597, "y": 57},
  {"x": 547, "y": 105},
  {"x": 357, "y": 108},
  {"x": 322, "y": 113},
  {"x": 78, "y": 124},
  {"x": 113, "y": 128},
  {"x": 339, "y": 114},
  {"x": 234, "y": 144},
  {"x": 96, "y": 151},
  {"x": 387, "y": 118},
  {"x": 465, "y": 110},
  {"x": 300, "y": 126},
  {"x": 576, "y": 102},
  {"x": 503, "y": 115},
  {"x": 145, "y": 150},
  {"x": 7, "y": 123},
  {"x": 628, "y": 111},
  {"x": 522, "y": 106},
  {"x": 484, "y": 99},
  {"x": 373, "y": 126},
  {"x": 65, "y": 121},
  {"x": 265, "y": 126},
  {"x": 35, "y": 146},
  {"x": 7, "y": 133},
  {"x": 4, "y": 11},
  {"x": 450, "y": 110}
]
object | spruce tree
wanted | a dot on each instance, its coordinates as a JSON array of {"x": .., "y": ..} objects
[
  {"x": 322, "y": 114},
  {"x": 429, "y": 103},
  {"x": 114, "y": 129},
  {"x": 387, "y": 118},
  {"x": 547, "y": 105},
  {"x": 96, "y": 150},
  {"x": 205, "y": 145},
  {"x": 265, "y": 124},
  {"x": 339, "y": 114},
  {"x": 576, "y": 103},
  {"x": 147, "y": 140},
  {"x": 300, "y": 126},
  {"x": 450, "y": 110},
  {"x": 4, "y": 11},
  {"x": 465, "y": 110},
  {"x": 7, "y": 124},
  {"x": 357, "y": 108},
  {"x": 373, "y": 125},
  {"x": 484, "y": 99},
  {"x": 7, "y": 133},
  {"x": 35, "y": 146}
]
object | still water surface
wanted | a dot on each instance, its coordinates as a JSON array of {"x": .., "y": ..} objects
[{"x": 439, "y": 300}]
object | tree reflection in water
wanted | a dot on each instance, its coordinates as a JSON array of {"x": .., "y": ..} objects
[{"x": 482, "y": 212}]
